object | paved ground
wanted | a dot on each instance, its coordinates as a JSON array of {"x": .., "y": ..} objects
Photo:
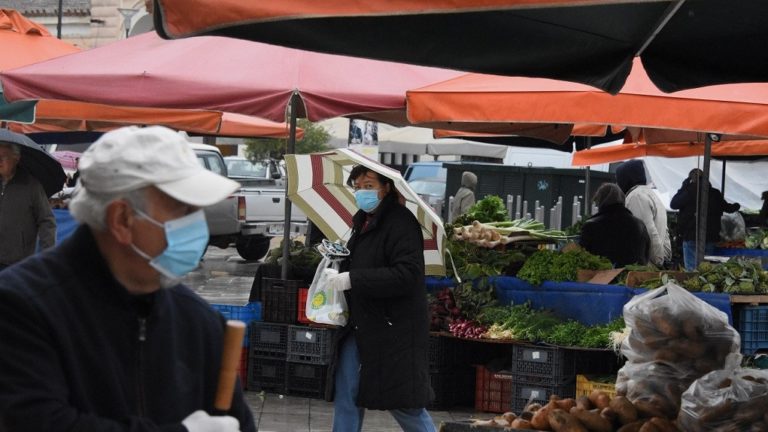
[{"x": 225, "y": 278}]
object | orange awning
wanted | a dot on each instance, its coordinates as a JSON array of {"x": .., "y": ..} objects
[
  {"x": 621, "y": 152},
  {"x": 25, "y": 42}
]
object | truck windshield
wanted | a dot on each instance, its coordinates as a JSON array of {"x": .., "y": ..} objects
[{"x": 245, "y": 168}]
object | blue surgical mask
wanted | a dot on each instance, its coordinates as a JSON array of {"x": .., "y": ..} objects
[
  {"x": 187, "y": 238},
  {"x": 367, "y": 199}
]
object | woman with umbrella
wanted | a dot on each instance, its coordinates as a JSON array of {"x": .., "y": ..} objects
[
  {"x": 382, "y": 360},
  {"x": 25, "y": 215}
]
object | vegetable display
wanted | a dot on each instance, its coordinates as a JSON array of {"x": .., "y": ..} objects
[
  {"x": 757, "y": 240},
  {"x": 489, "y": 209},
  {"x": 597, "y": 412},
  {"x": 560, "y": 266},
  {"x": 737, "y": 275},
  {"x": 492, "y": 234}
]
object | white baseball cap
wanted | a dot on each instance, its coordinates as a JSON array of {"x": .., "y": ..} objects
[{"x": 130, "y": 158}]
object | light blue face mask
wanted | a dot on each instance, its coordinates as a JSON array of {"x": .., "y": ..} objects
[
  {"x": 187, "y": 238},
  {"x": 367, "y": 199}
]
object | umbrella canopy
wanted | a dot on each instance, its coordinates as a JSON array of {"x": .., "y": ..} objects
[
  {"x": 622, "y": 152},
  {"x": 25, "y": 42},
  {"x": 67, "y": 158},
  {"x": 318, "y": 187},
  {"x": 683, "y": 44},
  {"x": 39, "y": 163},
  {"x": 60, "y": 116},
  {"x": 223, "y": 74},
  {"x": 483, "y": 100}
]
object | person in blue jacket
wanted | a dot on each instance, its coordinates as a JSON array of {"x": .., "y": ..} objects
[{"x": 97, "y": 333}]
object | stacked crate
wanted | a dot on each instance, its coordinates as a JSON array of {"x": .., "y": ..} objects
[
  {"x": 451, "y": 378},
  {"x": 286, "y": 358},
  {"x": 752, "y": 324},
  {"x": 539, "y": 372},
  {"x": 310, "y": 350},
  {"x": 248, "y": 313},
  {"x": 268, "y": 354},
  {"x": 493, "y": 390}
]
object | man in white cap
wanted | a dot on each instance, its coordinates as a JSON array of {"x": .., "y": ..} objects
[{"x": 97, "y": 333}]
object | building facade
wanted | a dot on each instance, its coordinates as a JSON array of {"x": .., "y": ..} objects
[{"x": 87, "y": 23}]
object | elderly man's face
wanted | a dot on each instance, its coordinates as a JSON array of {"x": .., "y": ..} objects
[
  {"x": 149, "y": 237},
  {"x": 8, "y": 161}
]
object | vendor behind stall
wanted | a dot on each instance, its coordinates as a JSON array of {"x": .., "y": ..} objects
[{"x": 613, "y": 232}]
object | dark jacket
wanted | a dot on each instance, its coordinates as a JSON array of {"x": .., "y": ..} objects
[
  {"x": 685, "y": 201},
  {"x": 388, "y": 308},
  {"x": 630, "y": 174},
  {"x": 25, "y": 216},
  {"x": 81, "y": 354},
  {"x": 617, "y": 235}
]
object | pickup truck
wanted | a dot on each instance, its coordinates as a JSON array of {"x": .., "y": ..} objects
[{"x": 253, "y": 214}]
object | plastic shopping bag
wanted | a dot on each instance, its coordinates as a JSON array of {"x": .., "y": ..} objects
[
  {"x": 326, "y": 306},
  {"x": 675, "y": 338}
]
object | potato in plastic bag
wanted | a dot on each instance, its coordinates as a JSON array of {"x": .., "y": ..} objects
[
  {"x": 674, "y": 339},
  {"x": 726, "y": 400}
]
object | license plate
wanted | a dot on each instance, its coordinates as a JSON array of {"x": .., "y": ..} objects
[{"x": 275, "y": 229}]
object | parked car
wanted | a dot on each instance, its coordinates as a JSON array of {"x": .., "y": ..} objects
[
  {"x": 432, "y": 191},
  {"x": 419, "y": 170},
  {"x": 250, "y": 173}
]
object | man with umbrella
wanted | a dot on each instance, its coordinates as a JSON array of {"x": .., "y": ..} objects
[{"x": 25, "y": 215}]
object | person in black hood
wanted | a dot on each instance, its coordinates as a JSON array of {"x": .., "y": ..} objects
[
  {"x": 613, "y": 232},
  {"x": 645, "y": 205},
  {"x": 687, "y": 201}
]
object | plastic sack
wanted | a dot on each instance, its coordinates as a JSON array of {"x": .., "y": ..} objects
[
  {"x": 733, "y": 227},
  {"x": 675, "y": 338},
  {"x": 326, "y": 306},
  {"x": 726, "y": 400}
]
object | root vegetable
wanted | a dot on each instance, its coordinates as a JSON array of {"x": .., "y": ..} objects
[
  {"x": 625, "y": 411},
  {"x": 583, "y": 402},
  {"x": 599, "y": 399},
  {"x": 632, "y": 427},
  {"x": 663, "y": 425},
  {"x": 561, "y": 421},
  {"x": 592, "y": 420},
  {"x": 519, "y": 423}
]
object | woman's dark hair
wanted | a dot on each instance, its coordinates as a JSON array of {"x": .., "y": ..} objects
[{"x": 361, "y": 170}]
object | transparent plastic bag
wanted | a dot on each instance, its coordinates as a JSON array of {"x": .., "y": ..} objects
[
  {"x": 326, "y": 306},
  {"x": 675, "y": 338},
  {"x": 732, "y": 227},
  {"x": 726, "y": 400}
]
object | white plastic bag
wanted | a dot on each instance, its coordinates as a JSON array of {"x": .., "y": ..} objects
[
  {"x": 326, "y": 306},
  {"x": 732, "y": 227}
]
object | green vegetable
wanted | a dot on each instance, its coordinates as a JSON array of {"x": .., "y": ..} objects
[
  {"x": 559, "y": 266},
  {"x": 489, "y": 209}
]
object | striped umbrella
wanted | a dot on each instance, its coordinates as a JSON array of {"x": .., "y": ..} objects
[{"x": 316, "y": 183}]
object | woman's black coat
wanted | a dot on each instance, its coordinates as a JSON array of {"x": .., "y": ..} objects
[
  {"x": 685, "y": 201},
  {"x": 388, "y": 308},
  {"x": 616, "y": 234}
]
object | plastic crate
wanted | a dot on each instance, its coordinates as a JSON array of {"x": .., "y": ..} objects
[
  {"x": 306, "y": 380},
  {"x": 551, "y": 363},
  {"x": 278, "y": 300},
  {"x": 302, "y": 306},
  {"x": 525, "y": 393},
  {"x": 454, "y": 387},
  {"x": 443, "y": 352},
  {"x": 493, "y": 390},
  {"x": 268, "y": 339},
  {"x": 753, "y": 328},
  {"x": 585, "y": 386},
  {"x": 266, "y": 374},
  {"x": 247, "y": 314},
  {"x": 242, "y": 371},
  {"x": 310, "y": 344}
]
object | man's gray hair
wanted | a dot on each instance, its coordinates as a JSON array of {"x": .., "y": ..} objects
[
  {"x": 91, "y": 209},
  {"x": 15, "y": 149}
]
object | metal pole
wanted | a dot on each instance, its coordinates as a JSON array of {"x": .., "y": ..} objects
[
  {"x": 587, "y": 200},
  {"x": 60, "y": 17},
  {"x": 294, "y": 105},
  {"x": 703, "y": 190},
  {"x": 722, "y": 179}
]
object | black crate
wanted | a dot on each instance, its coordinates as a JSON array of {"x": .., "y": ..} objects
[
  {"x": 452, "y": 387},
  {"x": 279, "y": 300},
  {"x": 310, "y": 344},
  {"x": 266, "y": 374},
  {"x": 268, "y": 339},
  {"x": 554, "y": 364},
  {"x": 306, "y": 380},
  {"x": 527, "y": 392},
  {"x": 443, "y": 352}
]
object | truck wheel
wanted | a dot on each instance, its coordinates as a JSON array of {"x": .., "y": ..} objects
[{"x": 252, "y": 248}]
